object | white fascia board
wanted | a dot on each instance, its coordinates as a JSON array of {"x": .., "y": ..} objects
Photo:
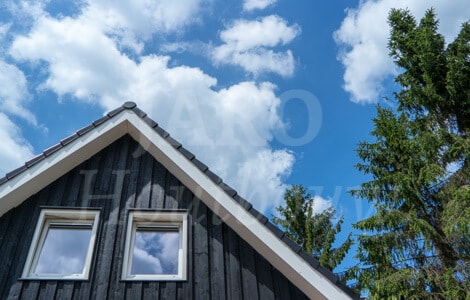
[
  {"x": 16, "y": 190},
  {"x": 308, "y": 279}
]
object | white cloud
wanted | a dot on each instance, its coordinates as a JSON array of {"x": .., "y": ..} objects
[
  {"x": 4, "y": 27},
  {"x": 250, "y": 5},
  {"x": 14, "y": 150},
  {"x": 246, "y": 44},
  {"x": 75, "y": 66},
  {"x": 134, "y": 21},
  {"x": 229, "y": 129},
  {"x": 144, "y": 263},
  {"x": 363, "y": 36},
  {"x": 14, "y": 92},
  {"x": 265, "y": 169},
  {"x": 320, "y": 204}
]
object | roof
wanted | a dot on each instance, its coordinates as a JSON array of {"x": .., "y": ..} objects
[{"x": 287, "y": 256}]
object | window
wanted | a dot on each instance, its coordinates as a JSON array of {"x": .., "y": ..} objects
[
  {"x": 62, "y": 244},
  {"x": 156, "y": 244}
]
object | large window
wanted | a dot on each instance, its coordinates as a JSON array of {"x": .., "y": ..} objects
[
  {"x": 62, "y": 244},
  {"x": 156, "y": 244}
]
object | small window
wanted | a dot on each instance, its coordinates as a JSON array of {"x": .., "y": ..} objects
[
  {"x": 156, "y": 245},
  {"x": 62, "y": 245}
]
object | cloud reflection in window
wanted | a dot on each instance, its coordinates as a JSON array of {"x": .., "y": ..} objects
[
  {"x": 155, "y": 252},
  {"x": 64, "y": 251}
]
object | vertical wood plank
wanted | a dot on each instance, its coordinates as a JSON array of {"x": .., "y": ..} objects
[
  {"x": 173, "y": 192},
  {"x": 134, "y": 290},
  {"x": 64, "y": 290},
  {"x": 168, "y": 290},
  {"x": 232, "y": 264},
  {"x": 216, "y": 254},
  {"x": 47, "y": 290},
  {"x": 30, "y": 289},
  {"x": 281, "y": 285},
  {"x": 4, "y": 224},
  {"x": 157, "y": 197},
  {"x": 185, "y": 289},
  {"x": 201, "y": 273},
  {"x": 248, "y": 270},
  {"x": 265, "y": 281},
  {"x": 150, "y": 290},
  {"x": 144, "y": 185}
]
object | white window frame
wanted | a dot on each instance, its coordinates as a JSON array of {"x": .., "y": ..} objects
[
  {"x": 165, "y": 219},
  {"x": 67, "y": 217}
]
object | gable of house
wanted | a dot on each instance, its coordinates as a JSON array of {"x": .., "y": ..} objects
[{"x": 233, "y": 251}]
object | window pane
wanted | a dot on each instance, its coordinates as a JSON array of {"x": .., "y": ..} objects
[
  {"x": 155, "y": 252},
  {"x": 64, "y": 251}
]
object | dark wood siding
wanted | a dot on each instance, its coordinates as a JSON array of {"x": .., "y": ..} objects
[{"x": 123, "y": 176}]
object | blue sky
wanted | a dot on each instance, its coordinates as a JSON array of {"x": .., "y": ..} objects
[{"x": 268, "y": 93}]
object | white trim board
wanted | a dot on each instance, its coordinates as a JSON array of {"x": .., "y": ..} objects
[{"x": 14, "y": 191}]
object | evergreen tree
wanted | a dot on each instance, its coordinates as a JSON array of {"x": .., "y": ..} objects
[
  {"x": 316, "y": 233},
  {"x": 417, "y": 244}
]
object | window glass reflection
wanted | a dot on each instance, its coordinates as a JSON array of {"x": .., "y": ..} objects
[
  {"x": 64, "y": 251},
  {"x": 155, "y": 251}
]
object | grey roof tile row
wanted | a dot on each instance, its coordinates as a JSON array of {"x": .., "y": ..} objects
[{"x": 201, "y": 166}]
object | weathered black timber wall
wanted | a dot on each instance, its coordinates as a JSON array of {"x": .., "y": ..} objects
[{"x": 220, "y": 264}]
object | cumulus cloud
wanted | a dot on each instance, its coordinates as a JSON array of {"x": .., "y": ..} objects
[
  {"x": 64, "y": 251},
  {"x": 14, "y": 149},
  {"x": 145, "y": 263},
  {"x": 250, "y": 5},
  {"x": 320, "y": 204},
  {"x": 155, "y": 253},
  {"x": 247, "y": 44},
  {"x": 363, "y": 37},
  {"x": 14, "y": 92},
  {"x": 229, "y": 128}
]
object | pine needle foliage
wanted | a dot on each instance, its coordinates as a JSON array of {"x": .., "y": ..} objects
[
  {"x": 417, "y": 244},
  {"x": 316, "y": 233}
]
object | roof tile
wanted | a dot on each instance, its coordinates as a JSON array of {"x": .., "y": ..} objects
[
  {"x": 100, "y": 121},
  {"x": 262, "y": 218},
  {"x": 129, "y": 105},
  {"x": 161, "y": 131},
  {"x": 310, "y": 259},
  {"x": 328, "y": 274},
  {"x": 216, "y": 179},
  {"x": 247, "y": 205},
  {"x": 69, "y": 139},
  {"x": 86, "y": 129},
  {"x": 200, "y": 165},
  {"x": 348, "y": 290},
  {"x": 34, "y": 160},
  {"x": 52, "y": 149},
  {"x": 293, "y": 245},
  {"x": 188, "y": 154},
  {"x": 115, "y": 111},
  {"x": 173, "y": 142},
  {"x": 139, "y": 112},
  {"x": 274, "y": 229},
  {"x": 150, "y": 122},
  {"x": 15, "y": 172},
  {"x": 228, "y": 189}
]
